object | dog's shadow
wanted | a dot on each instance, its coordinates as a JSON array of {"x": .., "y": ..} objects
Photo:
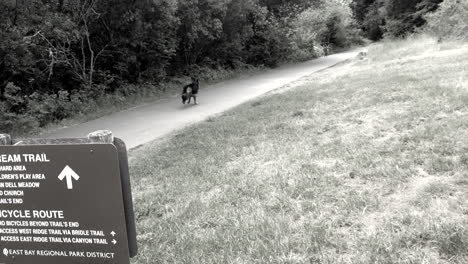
[{"x": 186, "y": 106}]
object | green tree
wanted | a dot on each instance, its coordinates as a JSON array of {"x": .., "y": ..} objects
[
  {"x": 449, "y": 21},
  {"x": 394, "y": 18},
  {"x": 201, "y": 27}
]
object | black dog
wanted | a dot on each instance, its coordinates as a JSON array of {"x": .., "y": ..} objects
[{"x": 189, "y": 91}]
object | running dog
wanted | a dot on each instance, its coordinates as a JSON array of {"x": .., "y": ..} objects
[{"x": 190, "y": 91}]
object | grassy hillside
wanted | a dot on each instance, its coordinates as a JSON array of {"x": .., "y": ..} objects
[{"x": 366, "y": 162}]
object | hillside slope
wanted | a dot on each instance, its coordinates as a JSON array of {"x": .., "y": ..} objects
[{"x": 362, "y": 163}]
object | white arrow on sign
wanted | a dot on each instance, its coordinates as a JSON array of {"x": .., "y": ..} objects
[
  {"x": 69, "y": 174},
  {"x": 114, "y": 241}
]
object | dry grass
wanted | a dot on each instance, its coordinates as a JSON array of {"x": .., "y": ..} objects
[{"x": 362, "y": 163}]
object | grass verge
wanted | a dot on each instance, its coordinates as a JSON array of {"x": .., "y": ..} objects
[{"x": 363, "y": 163}]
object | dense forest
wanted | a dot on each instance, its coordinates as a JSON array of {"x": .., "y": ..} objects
[{"x": 57, "y": 57}]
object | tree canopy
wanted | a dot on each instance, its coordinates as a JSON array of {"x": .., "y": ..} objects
[{"x": 394, "y": 18}]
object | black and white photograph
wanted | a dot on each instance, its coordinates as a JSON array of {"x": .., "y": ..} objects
[{"x": 234, "y": 131}]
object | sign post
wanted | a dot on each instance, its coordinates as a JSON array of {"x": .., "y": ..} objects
[{"x": 64, "y": 204}]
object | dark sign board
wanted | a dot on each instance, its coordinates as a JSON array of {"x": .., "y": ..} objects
[{"x": 62, "y": 204}]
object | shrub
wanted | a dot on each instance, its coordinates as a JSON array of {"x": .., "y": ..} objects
[
  {"x": 13, "y": 111},
  {"x": 449, "y": 21},
  {"x": 330, "y": 25},
  {"x": 391, "y": 18}
]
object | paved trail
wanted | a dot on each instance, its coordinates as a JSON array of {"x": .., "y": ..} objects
[{"x": 151, "y": 121}]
